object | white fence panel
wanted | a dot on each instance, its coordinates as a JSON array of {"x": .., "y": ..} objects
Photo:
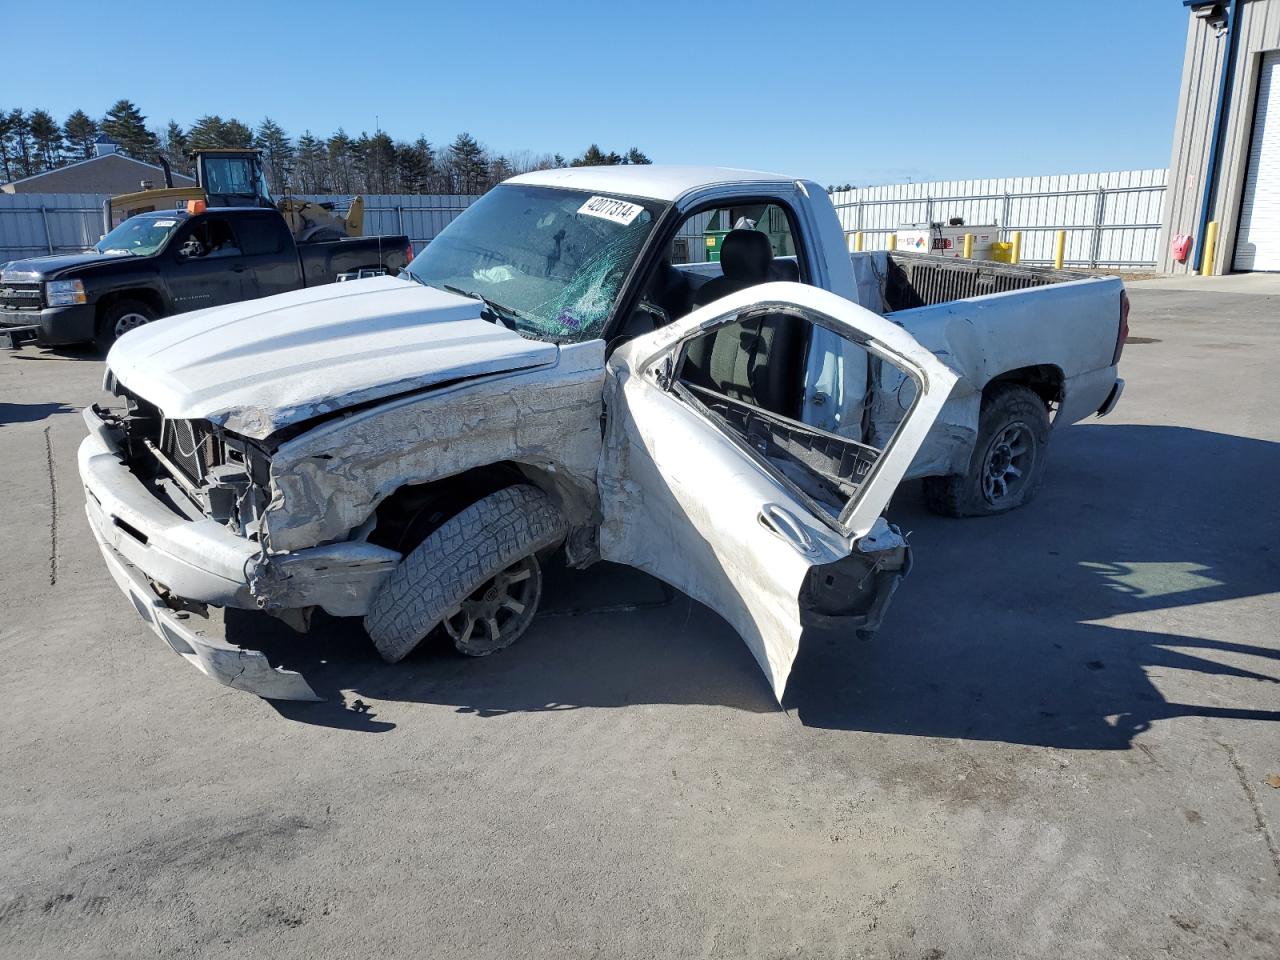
[{"x": 1110, "y": 219}]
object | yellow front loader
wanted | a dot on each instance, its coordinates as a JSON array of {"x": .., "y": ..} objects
[{"x": 235, "y": 177}]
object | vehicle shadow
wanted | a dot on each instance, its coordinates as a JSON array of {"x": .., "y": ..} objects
[
  {"x": 608, "y": 636},
  {"x": 11, "y": 413},
  {"x": 72, "y": 351},
  {"x": 1013, "y": 628},
  {"x": 1003, "y": 632}
]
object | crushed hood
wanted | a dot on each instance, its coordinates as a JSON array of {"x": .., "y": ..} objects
[{"x": 257, "y": 366}]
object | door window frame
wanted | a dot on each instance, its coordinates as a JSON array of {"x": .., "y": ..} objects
[
  {"x": 664, "y": 233},
  {"x": 650, "y": 365}
]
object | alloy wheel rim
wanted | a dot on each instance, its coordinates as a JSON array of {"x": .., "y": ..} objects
[
  {"x": 497, "y": 611},
  {"x": 1010, "y": 458}
]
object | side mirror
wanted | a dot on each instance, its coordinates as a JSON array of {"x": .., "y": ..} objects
[{"x": 190, "y": 249}]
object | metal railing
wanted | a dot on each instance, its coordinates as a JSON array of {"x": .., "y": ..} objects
[{"x": 1101, "y": 241}]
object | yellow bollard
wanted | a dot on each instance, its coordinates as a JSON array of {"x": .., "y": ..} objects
[
  {"x": 1015, "y": 254},
  {"x": 1210, "y": 248},
  {"x": 857, "y": 241},
  {"x": 1060, "y": 250},
  {"x": 893, "y": 241},
  {"x": 968, "y": 246}
]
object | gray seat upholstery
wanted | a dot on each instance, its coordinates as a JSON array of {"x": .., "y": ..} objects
[
  {"x": 745, "y": 257},
  {"x": 757, "y": 361}
]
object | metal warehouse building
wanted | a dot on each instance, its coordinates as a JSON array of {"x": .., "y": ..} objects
[{"x": 1225, "y": 166}]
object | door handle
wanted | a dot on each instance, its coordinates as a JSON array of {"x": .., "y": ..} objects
[
  {"x": 779, "y": 521},
  {"x": 239, "y": 268}
]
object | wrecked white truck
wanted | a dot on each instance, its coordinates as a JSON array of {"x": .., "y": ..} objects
[{"x": 542, "y": 377}]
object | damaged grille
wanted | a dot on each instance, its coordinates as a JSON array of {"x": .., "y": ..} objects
[{"x": 191, "y": 447}]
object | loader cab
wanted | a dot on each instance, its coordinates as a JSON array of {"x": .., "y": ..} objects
[{"x": 233, "y": 178}]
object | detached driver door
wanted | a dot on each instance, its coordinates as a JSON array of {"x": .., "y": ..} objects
[{"x": 711, "y": 494}]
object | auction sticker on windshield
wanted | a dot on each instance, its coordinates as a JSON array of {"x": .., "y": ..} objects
[{"x": 606, "y": 208}]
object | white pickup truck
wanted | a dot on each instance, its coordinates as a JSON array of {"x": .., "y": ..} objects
[{"x": 542, "y": 377}]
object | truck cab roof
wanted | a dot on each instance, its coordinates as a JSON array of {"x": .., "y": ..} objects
[{"x": 667, "y": 182}]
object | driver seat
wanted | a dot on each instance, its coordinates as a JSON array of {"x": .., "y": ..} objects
[{"x": 756, "y": 361}]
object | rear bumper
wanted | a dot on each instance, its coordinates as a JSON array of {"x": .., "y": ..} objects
[
  {"x": 54, "y": 325},
  {"x": 1113, "y": 398}
]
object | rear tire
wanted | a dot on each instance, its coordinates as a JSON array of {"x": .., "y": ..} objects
[
  {"x": 480, "y": 566},
  {"x": 118, "y": 319},
  {"x": 1008, "y": 461}
]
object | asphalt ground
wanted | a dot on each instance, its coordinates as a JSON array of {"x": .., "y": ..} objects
[{"x": 1058, "y": 745}]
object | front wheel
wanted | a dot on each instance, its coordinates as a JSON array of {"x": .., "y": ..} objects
[
  {"x": 477, "y": 574},
  {"x": 1008, "y": 460},
  {"x": 118, "y": 319}
]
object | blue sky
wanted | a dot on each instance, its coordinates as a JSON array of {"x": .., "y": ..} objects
[{"x": 860, "y": 92}]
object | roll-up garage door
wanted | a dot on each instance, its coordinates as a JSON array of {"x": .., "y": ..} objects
[{"x": 1258, "y": 241}]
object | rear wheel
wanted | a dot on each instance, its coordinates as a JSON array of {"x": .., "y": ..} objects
[
  {"x": 1008, "y": 460},
  {"x": 118, "y": 319}
]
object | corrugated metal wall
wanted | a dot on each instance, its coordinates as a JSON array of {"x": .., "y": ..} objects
[
  {"x": 1197, "y": 102},
  {"x": 35, "y": 224},
  {"x": 1111, "y": 219},
  {"x": 418, "y": 217}
]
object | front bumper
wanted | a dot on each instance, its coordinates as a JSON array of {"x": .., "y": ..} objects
[
  {"x": 53, "y": 325},
  {"x": 187, "y": 635},
  {"x": 153, "y": 551}
]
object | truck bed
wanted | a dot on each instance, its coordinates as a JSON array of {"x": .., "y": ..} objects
[{"x": 904, "y": 281}]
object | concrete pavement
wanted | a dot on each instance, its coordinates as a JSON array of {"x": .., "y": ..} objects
[{"x": 1057, "y": 745}]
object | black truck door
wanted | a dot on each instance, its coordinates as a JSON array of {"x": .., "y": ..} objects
[
  {"x": 209, "y": 267},
  {"x": 269, "y": 251}
]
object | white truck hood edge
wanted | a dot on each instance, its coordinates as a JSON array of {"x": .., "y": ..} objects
[{"x": 259, "y": 365}]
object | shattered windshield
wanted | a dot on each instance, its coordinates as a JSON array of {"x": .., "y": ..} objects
[
  {"x": 549, "y": 261},
  {"x": 142, "y": 235}
]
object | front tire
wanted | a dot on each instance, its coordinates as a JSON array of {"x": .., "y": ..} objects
[
  {"x": 477, "y": 573},
  {"x": 1008, "y": 461},
  {"x": 118, "y": 319}
]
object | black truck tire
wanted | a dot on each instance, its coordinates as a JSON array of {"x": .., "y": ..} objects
[
  {"x": 118, "y": 319},
  {"x": 1008, "y": 461},
  {"x": 480, "y": 566}
]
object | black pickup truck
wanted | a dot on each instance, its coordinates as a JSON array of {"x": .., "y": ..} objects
[{"x": 171, "y": 261}]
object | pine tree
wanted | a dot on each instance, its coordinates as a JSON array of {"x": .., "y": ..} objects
[
  {"x": 277, "y": 152},
  {"x": 236, "y": 134},
  {"x": 18, "y": 127},
  {"x": 341, "y": 162},
  {"x": 500, "y": 169},
  {"x": 376, "y": 162},
  {"x": 212, "y": 131},
  {"x": 175, "y": 146},
  {"x": 46, "y": 136},
  {"x": 416, "y": 167},
  {"x": 635, "y": 155},
  {"x": 468, "y": 166},
  {"x": 310, "y": 162},
  {"x": 80, "y": 130},
  {"x": 207, "y": 131},
  {"x": 593, "y": 156},
  {"x": 6, "y": 157},
  {"x": 126, "y": 125}
]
